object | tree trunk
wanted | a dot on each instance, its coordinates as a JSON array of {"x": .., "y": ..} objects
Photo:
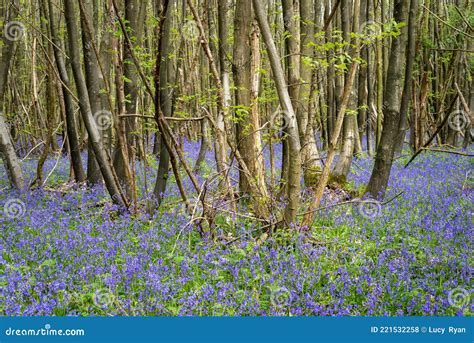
[
  {"x": 379, "y": 75},
  {"x": 392, "y": 98},
  {"x": 166, "y": 105},
  {"x": 7, "y": 150},
  {"x": 407, "y": 86},
  {"x": 93, "y": 82},
  {"x": 292, "y": 59},
  {"x": 71, "y": 124},
  {"x": 247, "y": 121},
  {"x": 221, "y": 145},
  {"x": 370, "y": 97},
  {"x": 343, "y": 165},
  {"x": 49, "y": 95},
  {"x": 294, "y": 175},
  {"x": 310, "y": 153},
  {"x": 330, "y": 116},
  {"x": 135, "y": 29},
  {"x": 84, "y": 104},
  {"x": 205, "y": 144}
]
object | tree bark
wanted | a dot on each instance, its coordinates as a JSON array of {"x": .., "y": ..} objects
[
  {"x": 392, "y": 98},
  {"x": 165, "y": 103},
  {"x": 84, "y": 104},
  {"x": 294, "y": 175},
  {"x": 7, "y": 150},
  {"x": 310, "y": 154},
  {"x": 93, "y": 82},
  {"x": 133, "y": 14},
  {"x": 71, "y": 124},
  {"x": 221, "y": 145},
  {"x": 407, "y": 86},
  {"x": 247, "y": 122},
  {"x": 343, "y": 165}
]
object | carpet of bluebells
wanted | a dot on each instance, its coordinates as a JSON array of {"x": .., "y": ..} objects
[{"x": 67, "y": 251}]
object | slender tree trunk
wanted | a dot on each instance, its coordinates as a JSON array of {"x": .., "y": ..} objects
[
  {"x": 7, "y": 150},
  {"x": 221, "y": 145},
  {"x": 247, "y": 125},
  {"x": 106, "y": 58},
  {"x": 166, "y": 105},
  {"x": 392, "y": 99},
  {"x": 343, "y": 165},
  {"x": 205, "y": 144},
  {"x": 84, "y": 104},
  {"x": 294, "y": 175},
  {"x": 329, "y": 78},
  {"x": 370, "y": 97},
  {"x": 49, "y": 95},
  {"x": 310, "y": 154},
  {"x": 93, "y": 82},
  {"x": 292, "y": 59},
  {"x": 135, "y": 22},
  {"x": 380, "y": 79},
  {"x": 71, "y": 123},
  {"x": 318, "y": 193},
  {"x": 362, "y": 112},
  {"x": 133, "y": 16},
  {"x": 9, "y": 156},
  {"x": 407, "y": 86}
]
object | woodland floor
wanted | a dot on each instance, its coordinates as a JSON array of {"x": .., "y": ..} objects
[{"x": 70, "y": 253}]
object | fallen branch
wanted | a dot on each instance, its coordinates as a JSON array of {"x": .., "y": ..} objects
[
  {"x": 449, "y": 152},
  {"x": 166, "y": 118},
  {"x": 351, "y": 202}
]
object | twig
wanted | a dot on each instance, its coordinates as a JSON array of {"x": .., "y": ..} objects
[
  {"x": 449, "y": 152},
  {"x": 33, "y": 149},
  {"x": 56, "y": 164},
  {"x": 351, "y": 202},
  {"x": 448, "y": 24},
  {"x": 153, "y": 117}
]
